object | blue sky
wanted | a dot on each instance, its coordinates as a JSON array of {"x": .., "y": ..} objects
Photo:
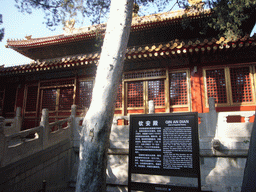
[{"x": 18, "y": 25}]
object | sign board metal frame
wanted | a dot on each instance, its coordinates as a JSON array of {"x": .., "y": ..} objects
[{"x": 166, "y": 145}]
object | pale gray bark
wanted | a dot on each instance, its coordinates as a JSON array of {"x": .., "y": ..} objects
[{"x": 98, "y": 120}]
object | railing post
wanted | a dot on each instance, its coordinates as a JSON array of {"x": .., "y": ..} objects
[
  {"x": 212, "y": 118},
  {"x": 247, "y": 119},
  {"x": 17, "y": 121},
  {"x": 75, "y": 144},
  {"x": 74, "y": 128},
  {"x": 73, "y": 122},
  {"x": 212, "y": 104},
  {"x": 151, "y": 107},
  {"x": 45, "y": 124},
  {"x": 73, "y": 110}
]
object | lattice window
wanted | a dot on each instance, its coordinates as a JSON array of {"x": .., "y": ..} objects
[
  {"x": 144, "y": 74},
  {"x": 135, "y": 94},
  {"x": 178, "y": 88},
  {"x": 156, "y": 92},
  {"x": 49, "y": 99},
  {"x": 119, "y": 96},
  {"x": 66, "y": 98},
  {"x": 216, "y": 85},
  {"x": 58, "y": 82},
  {"x": 85, "y": 94},
  {"x": 31, "y": 102},
  {"x": 241, "y": 85}
]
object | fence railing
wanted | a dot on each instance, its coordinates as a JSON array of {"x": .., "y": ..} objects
[
  {"x": 11, "y": 126},
  {"x": 217, "y": 135},
  {"x": 16, "y": 144}
]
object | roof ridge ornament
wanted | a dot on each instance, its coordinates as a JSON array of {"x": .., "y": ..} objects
[
  {"x": 195, "y": 6},
  {"x": 28, "y": 37},
  {"x": 69, "y": 26}
]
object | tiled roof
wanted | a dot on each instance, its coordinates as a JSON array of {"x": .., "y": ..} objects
[
  {"x": 170, "y": 49},
  {"x": 138, "y": 23}
]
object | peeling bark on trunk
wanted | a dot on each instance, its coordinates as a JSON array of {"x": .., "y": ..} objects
[{"x": 98, "y": 120}]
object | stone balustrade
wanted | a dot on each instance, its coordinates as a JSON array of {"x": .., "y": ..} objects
[
  {"x": 221, "y": 168},
  {"x": 16, "y": 144},
  {"x": 223, "y": 146},
  {"x": 11, "y": 126}
]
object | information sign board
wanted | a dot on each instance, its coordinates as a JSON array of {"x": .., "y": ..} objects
[{"x": 164, "y": 144}]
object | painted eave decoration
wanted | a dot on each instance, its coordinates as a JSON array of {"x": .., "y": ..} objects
[{"x": 170, "y": 49}]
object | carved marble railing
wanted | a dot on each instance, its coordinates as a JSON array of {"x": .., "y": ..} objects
[
  {"x": 223, "y": 150},
  {"x": 217, "y": 136},
  {"x": 232, "y": 138},
  {"x": 11, "y": 126},
  {"x": 21, "y": 144},
  {"x": 235, "y": 129}
]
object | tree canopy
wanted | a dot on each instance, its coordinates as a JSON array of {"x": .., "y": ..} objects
[
  {"x": 57, "y": 12},
  {"x": 1, "y": 30},
  {"x": 227, "y": 15}
]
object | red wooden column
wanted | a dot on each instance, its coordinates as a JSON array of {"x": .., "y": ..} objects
[{"x": 196, "y": 89}]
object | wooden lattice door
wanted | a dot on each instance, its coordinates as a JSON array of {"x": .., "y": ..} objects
[{"x": 139, "y": 93}]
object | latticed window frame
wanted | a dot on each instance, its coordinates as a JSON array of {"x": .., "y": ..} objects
[
  {"x": 62, "y": 102},
  {"x": 163, "y": 76},
  {"x": 142, "y": 91},
  {"x": 127, "y": 76},
  {"x": 188, "y": 105},
  {"x": 55, "y": 83},
  {"x": 160, "y": 101},
  {"x": 82, "y": 80},
  {"x": 228, "y": 85},
  {"x": 251, "y": 84},
  {"x": 56, "y": 100},
  {"x": 206, "y": 87},
  {"x": 31, "y": 118},
  {"x": 26, "y": 97},
  {"x": 57, "y": 87},
  {"x": 120, "y": 96}
]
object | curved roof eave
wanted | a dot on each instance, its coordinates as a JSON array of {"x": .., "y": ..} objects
[
  {"x": 138, "y": 24},
  {"x": 171, "y": 49}
]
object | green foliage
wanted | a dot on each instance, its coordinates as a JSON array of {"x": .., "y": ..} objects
[
  {"x": 1, "y": 30},
  {"x": 230, "y": 14},
  {"x": 59, "y": 11},
  {"x": 227, "y": 17}
]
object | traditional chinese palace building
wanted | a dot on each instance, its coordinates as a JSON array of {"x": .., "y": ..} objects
[{"x": 179, "y": 68}]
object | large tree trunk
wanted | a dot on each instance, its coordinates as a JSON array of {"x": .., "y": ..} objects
[{"x": 98, "y": 120}]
